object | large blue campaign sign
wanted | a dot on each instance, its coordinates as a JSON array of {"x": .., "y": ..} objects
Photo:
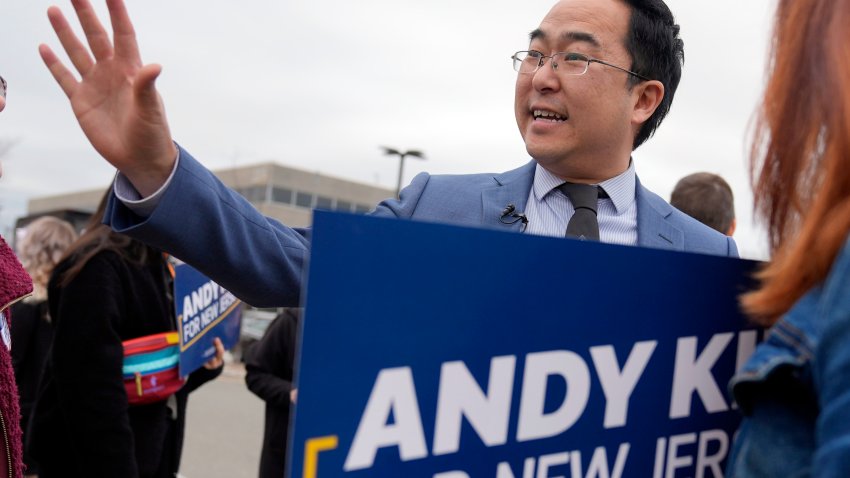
[
  {"x": 205, "y": 311},
  {"x": 445, "y": 352}
]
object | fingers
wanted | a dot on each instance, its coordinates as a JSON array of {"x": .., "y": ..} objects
[
  {"x": 75, "y": 49},
  {"x": 62, "y": 75},
  {"x": 218, "y": 360},
  {"x": 98, "y": 38},
  {"x": 151, "y": 108},
  {"x": 125, "y": 35},
  {"x": 212, "y": 364},
  {"x": 126, "y": 47},
  {"x": 144, "y": 85},
  {"x": 219, "y": 348}
]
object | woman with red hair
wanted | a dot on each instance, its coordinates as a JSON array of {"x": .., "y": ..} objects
[{"x": 795, "y": 390}]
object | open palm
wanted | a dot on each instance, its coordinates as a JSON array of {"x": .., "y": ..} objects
[{"x": 115, "y": 99}]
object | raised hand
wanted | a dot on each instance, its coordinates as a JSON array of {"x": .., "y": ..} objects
[
  {"x": 218, "y": 360},
  {"x": 115, "y": 100}
]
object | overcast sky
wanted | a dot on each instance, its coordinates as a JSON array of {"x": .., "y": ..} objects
[{"x": 319, "y": 85}]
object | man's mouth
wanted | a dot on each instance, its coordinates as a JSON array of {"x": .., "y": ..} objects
[{"x": 543, "y": 115}]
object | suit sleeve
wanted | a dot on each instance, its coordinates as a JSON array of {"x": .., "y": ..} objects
[
  {"x": 204, "y": 223},
  {"x": 268, "y": 371},
  {"x": 87, "y": 357},
  {"x": 732, "y": 247}
]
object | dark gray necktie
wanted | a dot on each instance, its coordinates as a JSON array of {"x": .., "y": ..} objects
[{"x": 583, "y": 224}]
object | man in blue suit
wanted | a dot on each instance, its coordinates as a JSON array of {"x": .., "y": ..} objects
[{"x": 596, "y": 80}]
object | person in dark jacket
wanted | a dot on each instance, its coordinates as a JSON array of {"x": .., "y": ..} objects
[
  {"x": 15, "y": 285},
  {"x": 268, "y": 373},
  {"x": 108, "y": 289},
  {"x": 40, "y": 249}
]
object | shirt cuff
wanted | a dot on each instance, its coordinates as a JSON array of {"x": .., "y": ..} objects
[{"x": 130, "y": 197}]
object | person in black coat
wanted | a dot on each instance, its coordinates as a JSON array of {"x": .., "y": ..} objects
[
  {"x": 42, "y": 246},
  {"x": 31, "y": 334},
  {"x": 108, "y": 289},
  {"x": 268, "y": 373}
]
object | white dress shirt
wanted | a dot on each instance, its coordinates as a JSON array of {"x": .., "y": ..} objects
[{"x": 127, "y": 193}]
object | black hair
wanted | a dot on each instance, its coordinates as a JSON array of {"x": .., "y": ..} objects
[{"x": 657, "y": 52}]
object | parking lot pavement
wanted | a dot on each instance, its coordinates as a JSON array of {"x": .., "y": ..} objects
[{"x": 224, "y": 429}]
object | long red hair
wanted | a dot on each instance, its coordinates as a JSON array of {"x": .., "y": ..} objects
[{"x": 800, "y": 160}]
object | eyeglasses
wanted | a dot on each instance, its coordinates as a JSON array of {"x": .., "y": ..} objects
[
  {"x": 567, "y": 63},
  {"x": 3, "y": 86}
]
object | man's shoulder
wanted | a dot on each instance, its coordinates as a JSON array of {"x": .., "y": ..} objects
[
  {"x": 459, "y": 198},
  {"x": 696, "y": 236},
  {"x": 451, "y": 198},
  {"x": 482, "y": 180}
]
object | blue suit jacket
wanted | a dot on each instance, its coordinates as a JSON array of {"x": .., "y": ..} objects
[{"x": 262, "y": 261}]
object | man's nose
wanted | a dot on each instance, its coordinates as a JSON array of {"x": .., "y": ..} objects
[
  {"x": 550, "y": 60},
  {"x": 546, "y": 77}
]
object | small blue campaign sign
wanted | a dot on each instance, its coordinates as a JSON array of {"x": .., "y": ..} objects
[
  {"x": 444, "y": 352},
  {"x": 204, "y": 311}
]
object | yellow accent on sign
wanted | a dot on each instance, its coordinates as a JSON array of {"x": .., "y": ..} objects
[
  {"x": 208, "y": 327},
  {"x": 311, "y": 453}
]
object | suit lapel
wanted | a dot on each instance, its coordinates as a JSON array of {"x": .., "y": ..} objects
[
  {"x": 653, "y": 228},
  {"x": 511, "y": 187}
]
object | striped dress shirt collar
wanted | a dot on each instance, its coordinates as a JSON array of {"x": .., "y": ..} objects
[
  {"x": 548, "y": 211},
  {"x": 620, "y": 188}
]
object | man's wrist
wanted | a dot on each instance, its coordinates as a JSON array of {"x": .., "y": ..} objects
[
  {"x": 150, "y": 179},
  {"x": 143, "y": 205}
]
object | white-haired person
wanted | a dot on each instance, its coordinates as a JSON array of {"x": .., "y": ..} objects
[{"x": 42, "y": 245}]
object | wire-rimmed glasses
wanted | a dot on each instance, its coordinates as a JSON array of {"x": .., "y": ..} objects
[{"x": 567, "y": 63}]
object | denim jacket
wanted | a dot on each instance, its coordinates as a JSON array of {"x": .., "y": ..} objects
[{"x": 795, "y": 389}]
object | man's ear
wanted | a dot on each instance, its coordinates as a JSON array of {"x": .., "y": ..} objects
[
  {"x": 647, "y": 96},
  {"x": 732, "y": 227}
]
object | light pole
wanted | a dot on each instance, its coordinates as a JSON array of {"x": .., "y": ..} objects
[{"x": 394, "y": 152}]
